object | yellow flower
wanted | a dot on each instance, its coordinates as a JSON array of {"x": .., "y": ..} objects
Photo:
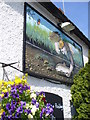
[
  {"x": 1, "y": 112},
  {"x": 24, "y": 81},
  {"x": 5, "y": 83},
  {"x": 28, "y": 91},
  {"x": 3, "y": 87},
  {"x": 1, "y": 95},
  {"x": 5, "y": 90},
  {"x": 9, "y": 88},
  {"x": 10, "y": 82},
  {"x": 0, "y": 82},
  {"x": 26, "y": 75},
  {"x": 17, "y": 81}
]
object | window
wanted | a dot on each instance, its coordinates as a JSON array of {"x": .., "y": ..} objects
[{"x": 49, "y": 53}]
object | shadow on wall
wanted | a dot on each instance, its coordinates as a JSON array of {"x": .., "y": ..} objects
[
  {"x": 73, "y": 110},
  {"x": 17, "y": 6},
  {"x": 43, "y": 83}
]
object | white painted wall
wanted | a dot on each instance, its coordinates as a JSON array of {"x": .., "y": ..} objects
[
  {"x": 11, "y": 50},
  {"x": 11, "y": 35}
]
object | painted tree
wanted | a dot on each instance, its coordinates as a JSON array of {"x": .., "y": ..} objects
[{"x": 80, "y": 91}]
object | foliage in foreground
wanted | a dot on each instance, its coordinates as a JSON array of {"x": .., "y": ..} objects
[
  {"x": 18, "y": 101},
  {"x": 80, "y": 91}
]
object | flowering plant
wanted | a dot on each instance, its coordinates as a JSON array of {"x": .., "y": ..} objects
[{"x": 18, "y": 101}]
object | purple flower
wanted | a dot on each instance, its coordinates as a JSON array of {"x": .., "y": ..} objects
[
  {"x": 0, "y": 98},
  {"x": 15, "y": 95},
  {"x": 20, "y": 88},
  {"x": 48, "y": 105},
  {"x": 20, "y": 85},
  {"x": 25, "y": 87},
  {"x": 10, "y": 117},
  {"x": 37, "y": 105},
  {"x": 27, "y": 111},
  {"x": 17, "y": 86},
  {"x": 43, "y": 111},
  {"x": 3, "y": 116},
  {"x": 28, "y": 87},
  {"x": 42, "y": 93},
  {"x": 13, "y": 86},
  {"x": 13, "y": 103},
  {"x": 8, "y": 106},
  {"x": 41, "y": 115},
  {"x": 10, "y": 111},
  {"x": 33, "y": 101},
  {"x": 19, "y": 109},
  {"x": 37, "y": 93},
  {"x": 20, "y": 91},
  {"x": 23, "y": 103},
  {"x": 6, "y": 95},
  {"x": 17, "y": 115},
  {"x": 49, "y": 109},
  {"x": 14, "y": 91},
  {"x": 11, "y": 108}
]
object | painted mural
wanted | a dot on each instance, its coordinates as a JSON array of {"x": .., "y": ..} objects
[{"x": 49, "y": 52}]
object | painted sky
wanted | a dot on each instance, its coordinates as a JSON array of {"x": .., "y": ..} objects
[{"x": 77, "y": 12}]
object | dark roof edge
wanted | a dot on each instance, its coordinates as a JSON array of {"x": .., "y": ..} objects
[{"x": 60, "y": 16}]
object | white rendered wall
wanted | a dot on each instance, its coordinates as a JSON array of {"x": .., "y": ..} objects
[
  {"x": 11, "y": 50},
  {"x": 11, "y": 35}
]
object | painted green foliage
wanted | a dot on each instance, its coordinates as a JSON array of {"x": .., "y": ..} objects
[
  {"x": 39, "y": 35},
  {"x": 80, "y": 91}
]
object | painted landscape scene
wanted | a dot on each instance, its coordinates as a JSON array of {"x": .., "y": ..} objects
[{"x": 49, "y": 52}]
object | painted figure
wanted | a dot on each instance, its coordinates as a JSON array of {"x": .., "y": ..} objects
[{"x": 62, "y": 47}]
